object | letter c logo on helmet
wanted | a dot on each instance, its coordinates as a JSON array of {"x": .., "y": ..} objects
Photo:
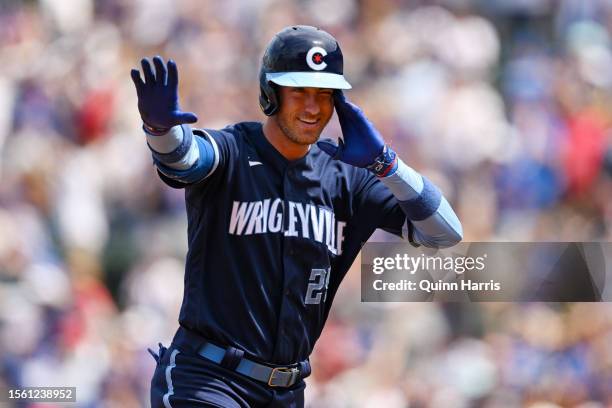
[{"x": 314, "y": 58}]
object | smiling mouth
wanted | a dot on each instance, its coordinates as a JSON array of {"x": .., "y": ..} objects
[{"x": 309, "y": 122}]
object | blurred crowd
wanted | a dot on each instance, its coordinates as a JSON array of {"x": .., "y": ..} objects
[{"x": 504, "y": 104}]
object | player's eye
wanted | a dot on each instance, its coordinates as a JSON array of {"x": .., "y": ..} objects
[{"x": 324, "y": 96}]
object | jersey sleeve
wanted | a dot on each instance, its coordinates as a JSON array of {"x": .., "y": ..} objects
[
  {"x": 215, "y": 145},
  {"x": 374, "y": 206}
]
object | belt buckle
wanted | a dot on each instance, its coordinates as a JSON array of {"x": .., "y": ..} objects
[{"x": 293, "y": 371}]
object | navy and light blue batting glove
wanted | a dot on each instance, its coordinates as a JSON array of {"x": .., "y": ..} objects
[
  {"x": 158, "y": 97},
  {"x": 361, "y": 144}
]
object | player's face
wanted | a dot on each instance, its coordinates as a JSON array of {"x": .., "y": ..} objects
[{"x": 304, "y": 112}]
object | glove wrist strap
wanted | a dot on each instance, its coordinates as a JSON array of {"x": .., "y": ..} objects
[
  {"x": 385, "y": 164},
  {"x": 155, "y": 131}
]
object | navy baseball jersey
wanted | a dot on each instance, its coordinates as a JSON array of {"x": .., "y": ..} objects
[{"x": 270, "y": 240}]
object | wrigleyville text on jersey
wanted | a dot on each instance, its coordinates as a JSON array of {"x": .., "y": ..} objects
[{"x": 303, "y": 220}]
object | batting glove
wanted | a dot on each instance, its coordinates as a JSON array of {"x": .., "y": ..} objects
[
  {"x": 361, "y": 144},
  {"x": 158, "y": 97}
]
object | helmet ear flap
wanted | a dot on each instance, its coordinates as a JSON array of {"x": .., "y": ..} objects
[{"x": 268, "y": 100}]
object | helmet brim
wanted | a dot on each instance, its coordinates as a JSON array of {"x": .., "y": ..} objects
[{"x": 309, "y": 79}]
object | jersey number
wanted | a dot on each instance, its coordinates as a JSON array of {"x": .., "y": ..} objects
[{"x": 317, "y": 286}]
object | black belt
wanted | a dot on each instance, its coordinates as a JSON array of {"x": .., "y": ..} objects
[{"x": 233, "y": 359}]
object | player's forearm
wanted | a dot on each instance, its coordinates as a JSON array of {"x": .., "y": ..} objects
[
  {"x": 180, "y": 155},
  {"x": 435, "y": 222},
  {"x": 174, "y": 149}
]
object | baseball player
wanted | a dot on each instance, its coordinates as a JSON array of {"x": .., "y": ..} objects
[{"x": 275, "y": 219}]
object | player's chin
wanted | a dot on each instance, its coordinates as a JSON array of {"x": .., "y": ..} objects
[
  {"x": 309, "y": 133},
  {"x": 309, "y": 137}
]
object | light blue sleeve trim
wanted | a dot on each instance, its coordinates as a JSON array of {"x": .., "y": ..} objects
[
  {"x": 192, "y": 156},
  {"x": 423, "y": 205},
  {"x": 404, "y": 183},
  {"x": 165, "y": 143},
  {"x": 441, "y": 230},
  {"x": 435, "y": 223},
  {"x": 206, "y": 164},
  {"x": 183, "y": 156}
]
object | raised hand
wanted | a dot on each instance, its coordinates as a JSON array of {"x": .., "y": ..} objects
[
  {"x": 158, "y": 96},
  {"x": 361, "y": 143}
]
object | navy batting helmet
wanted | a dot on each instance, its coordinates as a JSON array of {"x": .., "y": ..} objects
[{"x": 299, "y": 56}]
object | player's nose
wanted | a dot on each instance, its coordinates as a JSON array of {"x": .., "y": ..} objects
[{"x": 311, "y": 105}]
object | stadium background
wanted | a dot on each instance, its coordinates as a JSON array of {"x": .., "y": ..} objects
[{"x": 504, "y": 104}]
